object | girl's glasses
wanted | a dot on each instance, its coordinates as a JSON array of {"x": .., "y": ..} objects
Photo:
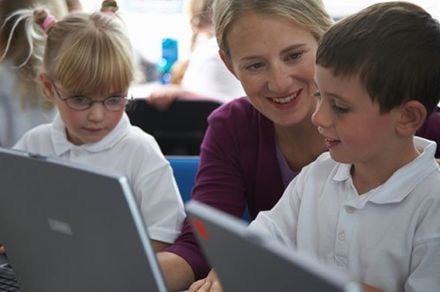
[{"x": 82, "y": 103}]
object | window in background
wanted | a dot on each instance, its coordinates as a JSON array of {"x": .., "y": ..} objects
[{"x": 150, "y": 21}]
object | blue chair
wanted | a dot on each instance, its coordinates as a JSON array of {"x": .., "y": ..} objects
[{"x": 185, "y": 170}]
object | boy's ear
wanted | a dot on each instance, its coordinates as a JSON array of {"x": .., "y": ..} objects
[
  {"x": 227, "y": 61},
  {"x": 412, "y": 115},
  {"x": 46, "y": 86}
]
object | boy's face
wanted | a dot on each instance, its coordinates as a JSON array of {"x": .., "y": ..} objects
[{"x": 354, "y": 129}]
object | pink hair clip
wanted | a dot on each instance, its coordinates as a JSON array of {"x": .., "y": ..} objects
[{"x": 48, "y": 22}]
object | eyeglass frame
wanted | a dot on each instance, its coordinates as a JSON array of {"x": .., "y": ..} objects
[{"x": 91, "y": 101}]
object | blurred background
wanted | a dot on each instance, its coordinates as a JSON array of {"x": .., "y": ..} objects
[{"x": 150, "y": 21}]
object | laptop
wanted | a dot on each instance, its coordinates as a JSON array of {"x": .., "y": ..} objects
[
  {"x": 71, "y": 228},
  {"x": 247, "y": 261}
]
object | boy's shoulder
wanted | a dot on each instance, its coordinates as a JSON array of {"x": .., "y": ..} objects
[{"x": 322, "y": 167}]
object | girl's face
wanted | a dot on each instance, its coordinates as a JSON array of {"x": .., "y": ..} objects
[
  {"x": 90, "y": 125},
  {"x": 274, "y": 60}
]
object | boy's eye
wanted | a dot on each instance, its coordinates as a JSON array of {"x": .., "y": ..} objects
[{"x": 339, "y": 109}]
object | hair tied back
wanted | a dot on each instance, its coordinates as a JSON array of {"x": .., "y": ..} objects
[
  {"x": 109, "y": 6},
  {"x": 44, "y": 19}
]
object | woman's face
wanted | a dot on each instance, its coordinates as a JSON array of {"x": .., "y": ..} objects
[{"x": 274, "y": 60}]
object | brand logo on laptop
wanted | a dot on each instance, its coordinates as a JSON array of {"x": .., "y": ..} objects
[
  {"x": 200, "y": 228},
  {"x": 59, "y": 226}
]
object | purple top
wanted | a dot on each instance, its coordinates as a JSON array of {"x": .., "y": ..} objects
[
  {"x": 431, "y": 129},
  {"x": 239, "y": 167}
]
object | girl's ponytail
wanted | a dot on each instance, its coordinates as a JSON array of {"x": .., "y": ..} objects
[{"x": 44, "y": 20}]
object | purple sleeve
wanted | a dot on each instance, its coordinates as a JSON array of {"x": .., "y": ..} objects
[
  {"x": 431, "y": 129},
  {"x": 219, "y": 183}
]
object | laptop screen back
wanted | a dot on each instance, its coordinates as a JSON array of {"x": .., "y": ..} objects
[
  {"x": 246, "y": 261},
  {"x": 67, "y": 228}
]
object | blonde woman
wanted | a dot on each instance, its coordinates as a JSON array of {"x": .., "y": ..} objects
[{"x": 255, "y": 145}]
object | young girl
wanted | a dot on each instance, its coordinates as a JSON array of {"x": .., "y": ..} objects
[{"x": 87, "y": 70}]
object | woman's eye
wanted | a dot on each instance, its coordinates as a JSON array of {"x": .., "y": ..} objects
[
  {"x": 294, "y": 56},
  {"x": 254, "y": 67}
]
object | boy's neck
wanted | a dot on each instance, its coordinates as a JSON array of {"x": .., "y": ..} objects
[{"x": 371, "y": 174}]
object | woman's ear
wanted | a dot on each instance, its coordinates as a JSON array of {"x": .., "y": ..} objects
[
  {"x": 47, "y": 86},
  {"x": 227, "y": 61},
  {"x": 412, "y": 115}
]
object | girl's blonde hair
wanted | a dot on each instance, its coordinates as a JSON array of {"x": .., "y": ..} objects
[
  {"x": 85, "y": 53},
  {"x": 89, "y": 53},
  {"x": 310, "y": 14}
]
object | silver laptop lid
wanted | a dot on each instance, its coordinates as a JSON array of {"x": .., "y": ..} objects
[
  {"x": 247, "y": 261},
  {"x": 67, "y": 228}
]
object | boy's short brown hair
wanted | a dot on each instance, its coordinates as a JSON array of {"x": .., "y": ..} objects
[{"x": 393, "y": 47}]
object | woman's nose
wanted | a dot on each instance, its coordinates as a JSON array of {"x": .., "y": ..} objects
[{"x": 279, "y": 80}]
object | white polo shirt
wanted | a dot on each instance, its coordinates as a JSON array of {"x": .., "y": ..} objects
[
  {"x": 388, "y": 238},
  {"x": 131, "y": 152}
]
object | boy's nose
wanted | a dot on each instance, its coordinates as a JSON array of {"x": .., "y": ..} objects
[{"x": 320, "y": 117}]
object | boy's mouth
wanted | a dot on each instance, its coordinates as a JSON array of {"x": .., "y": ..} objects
[{"x": 330, "y": 143}]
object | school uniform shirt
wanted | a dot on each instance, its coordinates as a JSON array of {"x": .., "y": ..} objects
[
  {"x": 18, "y": 114},
  {"x": 388, "y": 237},
  {"x": 131, "y": 152}
]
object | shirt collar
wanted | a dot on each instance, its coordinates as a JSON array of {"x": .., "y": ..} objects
[
  {"x": 404, "y": 180},
  {"x": 62, "y": 144}
]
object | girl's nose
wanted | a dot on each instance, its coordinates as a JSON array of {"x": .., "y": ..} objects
[{"x": 96, "y": 112}]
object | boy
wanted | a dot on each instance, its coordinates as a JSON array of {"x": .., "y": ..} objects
[{"x": 371, "y": 205}]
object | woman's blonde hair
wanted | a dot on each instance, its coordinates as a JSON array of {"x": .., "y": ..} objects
[
  {"x": 310, "y": 14},
  {"x": 200, "y": 13}
]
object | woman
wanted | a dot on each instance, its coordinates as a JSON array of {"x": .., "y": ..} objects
[{"x": 255, "y": 145}]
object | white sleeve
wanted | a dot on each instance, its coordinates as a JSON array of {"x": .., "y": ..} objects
[
  {"x": 157, "y": 194},
  {"x": 281, "y": 221},
  {"x": 425, "y": 254}
]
